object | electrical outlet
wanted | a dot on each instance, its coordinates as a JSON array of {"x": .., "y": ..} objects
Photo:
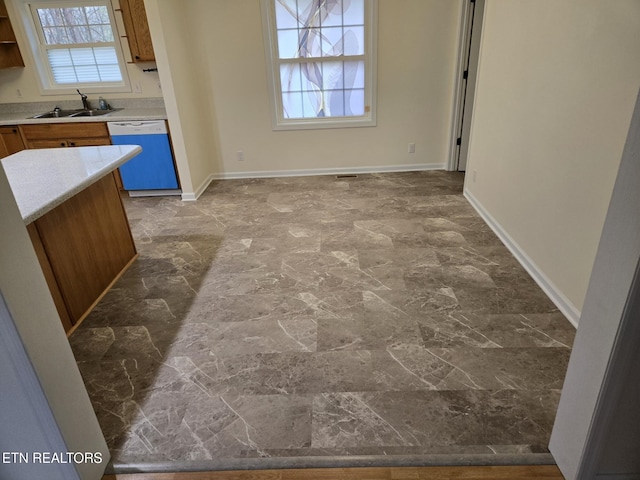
[
  {"x": 240, "y": 156},
  {"x": 18, "y": 93},
  {"x": 412, "y": 148},
  {"x": 137, "y": 88}
]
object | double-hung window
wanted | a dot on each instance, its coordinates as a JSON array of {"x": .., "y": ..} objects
[
  {"x": 75, "y": 45},
  {"x": 321, "y": 62}
]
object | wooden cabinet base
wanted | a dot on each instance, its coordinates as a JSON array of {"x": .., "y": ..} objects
[{"x": 83, "y": 245}]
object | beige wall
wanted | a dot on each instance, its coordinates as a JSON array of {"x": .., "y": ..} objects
[
  {"x": 26, "y": 78},
  {"x": 556, "y": 90},
  {"x": 416, "y": 61},
  {"x": 188, "y": 92},
  {"x": 212, "y": 67}
]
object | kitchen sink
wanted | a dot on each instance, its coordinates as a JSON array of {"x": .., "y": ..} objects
[
  {"x": 58, "y": 113},
  {"x": 93, "y": 113},
  {"x": 55, "y": 114}
]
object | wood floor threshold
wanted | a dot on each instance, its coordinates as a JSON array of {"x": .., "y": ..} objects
[{"x": 524, "y": 472}]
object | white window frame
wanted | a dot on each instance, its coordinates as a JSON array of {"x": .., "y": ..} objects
[
  {"x": 279, "y": 122},
  {"x": 33, "y": 31}
]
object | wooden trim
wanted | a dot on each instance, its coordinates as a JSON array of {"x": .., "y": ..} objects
[{"x": 523, "y": 472}]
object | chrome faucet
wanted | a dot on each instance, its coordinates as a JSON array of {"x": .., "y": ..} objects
[{"x": 85, "y": 103}]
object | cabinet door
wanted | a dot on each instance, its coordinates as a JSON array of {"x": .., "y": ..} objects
[
  {"x": 10, "y": 141},
  {"x": 46, "y": 143},
  {"x": 88, "y": 142},
  {"x": 9, "y": 50},
  {"x": 54, "y": 131},
  {"x": 136, "y": 26}
]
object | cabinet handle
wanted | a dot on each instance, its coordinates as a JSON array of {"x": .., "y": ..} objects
[
  {"x": 62, "y": 144},
  {"x": 72, "y": 144},
  {"x": 137, "y": 57},
  {"x": 15, "y": 130}
]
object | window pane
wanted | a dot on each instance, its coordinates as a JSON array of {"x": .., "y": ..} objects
[
  {"x": 288, "y": 43},
  {"x": 59, "y": 58},
  {"x": 55, "y": 35},
  {"x": 355, "y": 102},
  {"x": 321, "y": 33},
  {"x": 353, "y": 12},
  {"x": 312, "y": 105},
  {"x": 310, "y": 43},
  {"x": 333, "y": 73},
  {"x": 354, "y": 41},
  {"x": 292, "y": 105},
  {"x": 311, "y": 74},
  {"x": 82, "y": 56},
  {"x": 101, "y": 34},
  {"x": 354, "y": 74},
  {"x": 79, "y": 34},
  {"x": 306, "y": 12},
  {"x": 332, "y": 42},
  {"x": 110, "y": 73},
  {"x": 332, "y": 13},
  {"x": 286, "y": 14},
  {"x": 290, "y": 80},
  {"x": 336, "y": 103},
  {"x": 74, "y": 16},
  {"x": 105, "y": 55},
  {"x": 97, "y": 15},
  {"x": 87, "y": 73},
  {"x": 331, "y": 89},
  {"x": 64, "y": 75},
  {"x": 50, "y": 17},
  {"x": 83, "y": 25}
]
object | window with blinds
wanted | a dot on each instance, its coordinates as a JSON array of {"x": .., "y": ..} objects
[{"x": 78, "y": 44}]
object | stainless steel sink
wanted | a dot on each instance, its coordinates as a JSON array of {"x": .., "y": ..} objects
[
  {"x": 55, "y": 114},
  {"x": 93, "y": 113},
  {"x": 58, "y": 113}
]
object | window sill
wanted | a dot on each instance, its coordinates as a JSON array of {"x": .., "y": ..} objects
[{"x": 314, "y": 124}]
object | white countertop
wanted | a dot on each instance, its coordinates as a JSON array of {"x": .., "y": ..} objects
[
  {"x": 124, "y": 115},
  {"x": 43, "y": 179}
]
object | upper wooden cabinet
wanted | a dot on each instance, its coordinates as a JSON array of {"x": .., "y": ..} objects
[
  {"x": 10, "y": 141},
  {"x": 9, "y": 51},
  {"x": 136, "y": 26}
]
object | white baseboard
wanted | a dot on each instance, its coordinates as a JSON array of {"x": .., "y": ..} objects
[
  {"x": 328, "y": 171},
  {"x": 193, "y": 196},
  {"x": 568, "y": 309}
]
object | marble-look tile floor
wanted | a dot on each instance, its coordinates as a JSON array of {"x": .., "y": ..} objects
[{"x": 322, "y": 317}]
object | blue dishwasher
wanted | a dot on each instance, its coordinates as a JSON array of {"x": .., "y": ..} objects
[{"x": 152, "y": 172}]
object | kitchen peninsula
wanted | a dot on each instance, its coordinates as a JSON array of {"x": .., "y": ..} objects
[{"x": 72, "y": 209}]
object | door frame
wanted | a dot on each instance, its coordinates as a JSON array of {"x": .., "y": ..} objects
[{"x": 469, "y": 37}]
